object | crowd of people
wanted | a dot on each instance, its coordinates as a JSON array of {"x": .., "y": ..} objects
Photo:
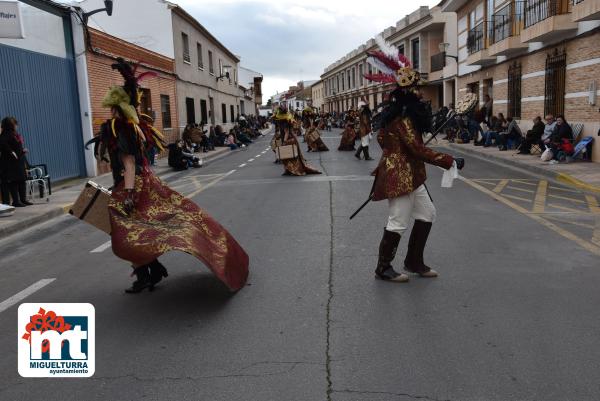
[
  {"x": 13, "y": 164},
  {"x": 553, "y": 136}
]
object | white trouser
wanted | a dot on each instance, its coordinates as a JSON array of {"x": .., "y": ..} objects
[
  {"x": 416, "y": 205},
  {"x": 364, "y": 141}
]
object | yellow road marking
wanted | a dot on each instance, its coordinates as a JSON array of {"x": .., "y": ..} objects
[
  {"x": 517, "y": 198},
  {"x": 566, "y": 198},
  {"x": 591, "y": 247},
  {"x": 520, "y": 189},
  {"x": 571, "y": 222},
  {"x": 593, "y": 204},
  {"x": 526, "y": 182},
  {"x": 540, "y": 197},
  {"x": 500, "y": 186},
  {"x": 568, "y": 209},
  {"x": 566, "y": 189},
  {"x": 210, "y": 184}
]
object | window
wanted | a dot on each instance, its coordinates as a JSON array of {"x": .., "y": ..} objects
[
  {"x": 514, "y": 90},
  {"x": 354, "y": 77},
  {"x": 165, "y": 111},
  {"x": 199, "y": 51},
  {"x": 349, "y": 82},
  {"x": 186, "y": 47},
  {"x": 220, "y": 67},
  {"x": 554, "y": 91},
  {"x": 211, "y": 66},
  {"x": 343, "y": 81},
  {"x": 361, "y": 79},
  {"x": 231, "y": 109},
  {"x": 401, "y": 49},
  {"x": 224, "y": 113},
  {"x": 415, "y": 55},
  {"x": 472, "y": 19},
  {"x": 203, "y": 112}
]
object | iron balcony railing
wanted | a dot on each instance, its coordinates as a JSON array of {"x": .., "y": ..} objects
[
  {"x": 186, "y": 56},
  {"x": 476, "y": 39},
  {"x": 438, "y": 62},
  {"x": 539, "y": 10},
  {"x": 507, "y": 22}
]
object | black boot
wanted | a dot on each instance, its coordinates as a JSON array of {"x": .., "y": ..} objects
[
  {"x": 387, "y": 252},
  {"x": 157, "y": 272},
  {"x": 14, "y": 194},
  {"x": 414, "y": 262},
  {"x": 23, "y": 193},
  {"x": 366, "y": 153},
  {"x": 357, "y": 154},
  {"x": 143, "y": 280}
]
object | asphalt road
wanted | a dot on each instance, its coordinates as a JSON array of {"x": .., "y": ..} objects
[{"x": 513, "y": 315}]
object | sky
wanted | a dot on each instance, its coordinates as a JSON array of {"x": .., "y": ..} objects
[{"x": 290, "y": 40}]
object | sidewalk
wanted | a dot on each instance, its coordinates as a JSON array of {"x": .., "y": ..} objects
[
  {"x": 582, "y": 175},
  {"x": 64, "y": 194}
]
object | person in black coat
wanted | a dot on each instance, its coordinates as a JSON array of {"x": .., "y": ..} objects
[
  {"x": 534, "y": 135},
  {"x": 12, "y": 164}
]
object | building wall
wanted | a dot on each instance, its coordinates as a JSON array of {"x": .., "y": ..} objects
[
  {"x": 317, "y": 95},
  {"x": 198, "y": 82},
  {"x": 102, "y": 77}
]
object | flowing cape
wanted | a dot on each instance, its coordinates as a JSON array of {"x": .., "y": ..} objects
[{"x": 164, "y": 220}]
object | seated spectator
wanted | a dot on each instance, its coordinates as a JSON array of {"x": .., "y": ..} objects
[
  {"x": 230, "y": 141},
  {"x": 561, "y": 139},
  {"x": 242, "y": 137},
  {"x": 548, "y": 129},
  {"x": 220, "y": 135},
  {"x": 181, "y": 157},
  {"x": 512, "y": 135},
  {"x": 497, "y": 126},
  {"x": 534, "y": 136}
]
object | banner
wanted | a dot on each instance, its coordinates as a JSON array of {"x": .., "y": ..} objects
[{"x": 11, "y": 25}]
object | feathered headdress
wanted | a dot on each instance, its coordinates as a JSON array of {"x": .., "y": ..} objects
[
  {"x": 132, "y": 81},
  {"x": 394, "y": 67}
]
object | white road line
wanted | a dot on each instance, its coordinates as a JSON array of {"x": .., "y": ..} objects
[
  {"x": 257, "y": 156},
  {"x": 101, "y": 248},
  {"x": 263, "y": 152},
  {"x": 242, "y": 165},
  {"x": 250, "y": 160},
  {"x": 4, "y": 305}
]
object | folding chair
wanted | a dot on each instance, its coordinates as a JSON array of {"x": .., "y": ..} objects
[{"x": 38, "y": 177}]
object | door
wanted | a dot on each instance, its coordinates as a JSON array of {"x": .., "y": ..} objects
[
  {"x": 212, "y": 110},
  {"x": 203, "y": 112},
  {"x": 191, "y": 113}
]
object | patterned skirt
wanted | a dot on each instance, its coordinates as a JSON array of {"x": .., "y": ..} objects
[
  {"x": 348, "y": 138},
  {"x": 164, "y": 220},
  {"x": 297, "y": 165}
]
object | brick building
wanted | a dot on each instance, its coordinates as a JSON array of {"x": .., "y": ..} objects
[
  {"x": 532, "y": 57},
  {"x": 159, "y": 98}
]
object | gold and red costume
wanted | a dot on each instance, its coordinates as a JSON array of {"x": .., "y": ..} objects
[
  {"x": 401, "y": 169},
  {"x": 348, "y": 138},
  {"x": 298, "y": 165},
  {"x": 314, "y": 141}
]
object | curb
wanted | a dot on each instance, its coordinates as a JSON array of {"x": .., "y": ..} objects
[
  {"x": 563, "y": 178},
  {"x": 64, "y": 209}
]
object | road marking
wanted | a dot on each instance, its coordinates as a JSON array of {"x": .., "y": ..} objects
[
  {"x": 520, "y": 189},
  {"x": 263, "y": 152},
  {"x": 242, "y": 165},
  {"x": 565, "y": 189},
  {"x": 588, "y": 246},
  {"x": 517, "y": 198},
  {"x": 257, "y": 156},
  {"x": 7, "y": 303},
  {"x": 250, "y": 160},
  {"x": 565, "y": 198},
  {"x": 566, "y": 209},
  {"x": 500, "y": 186},
  {"x": 540, "y": 197},
  {"x": 571, "y": 222},
  {"x": 593, "y": 204},
  {"x": 533, "y": 184},
  {"x": 101, "y": 248},
  {"x": 210, "y": 184}
]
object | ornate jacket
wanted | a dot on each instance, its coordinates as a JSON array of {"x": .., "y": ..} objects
[
  {"x": 365, "y": 125},
  {"x": 401, "y": 169}
]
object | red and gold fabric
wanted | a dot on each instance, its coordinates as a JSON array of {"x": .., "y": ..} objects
[
  {"x": 401, "y": 169},
  {"x": 298, "y": 165},
  {"x": 348, "y": 138},
  {"x": 364, "y": 127},
  {"x": 164, "y": 220}
]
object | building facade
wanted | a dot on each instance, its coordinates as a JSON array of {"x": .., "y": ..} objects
[
  {"x": 250, "y": 86},
  {"x": 419, "y": 36},
  {"x": 317, "y": 90},
  {"x": 159, "y": 99},
  {"x": 532, "y": 57}
]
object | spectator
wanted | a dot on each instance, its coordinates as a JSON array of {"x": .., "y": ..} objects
[
  {"x": 493, "y": 133},
  {"x": 548, "y": 129},
  {"x": 561, "y": 139},
  {"x": 487, "y": 111},
  {"x": 181, "y": 157},
  {"x": 12, "y": 164},
  {"x": 534, "y": 136},
  {"x": 230, "y": 141},
  {"x": 512, "y": 135}
]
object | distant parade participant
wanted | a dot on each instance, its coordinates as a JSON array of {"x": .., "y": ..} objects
[
  {"x": 313, "y": 139},
  {"x": 297, "y": 165},
  {"x": 400, "y": 175},
  {"x": 364, "y": 130},
  {"x": 322, "y": 122},
  {"x": 349, "y": 134},
  {"x": 147, "y": 217}
]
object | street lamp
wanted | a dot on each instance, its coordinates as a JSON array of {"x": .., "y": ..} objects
[
  {"x": 225, "y": 73},
  {"x": 444, "y": 47},
  {"x": 108, "y": 7}
]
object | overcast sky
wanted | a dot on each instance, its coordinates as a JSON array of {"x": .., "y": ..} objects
[{"x": 291, "y": 40}]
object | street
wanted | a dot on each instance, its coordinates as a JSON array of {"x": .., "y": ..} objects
[{"x": 513, "y": 315}]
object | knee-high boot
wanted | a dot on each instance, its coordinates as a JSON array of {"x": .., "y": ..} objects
[
  {"x": 142, "y": 273},
  {"x": 357, "y": 154},
  {"x": 365, "y": 150},
  {"x": 14, "y": 193},
  {"x": 387, "y": 252},
  {"x": 23, "y": 193},
  {"x": 414, "y": 261}
]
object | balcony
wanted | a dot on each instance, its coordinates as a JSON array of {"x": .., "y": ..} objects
[
  {"x": 547, "y": 20},
  {"x": 505, "y": 30},
  {"x": 586, "y": 10},
  {"x": 476, "y": 47}
]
